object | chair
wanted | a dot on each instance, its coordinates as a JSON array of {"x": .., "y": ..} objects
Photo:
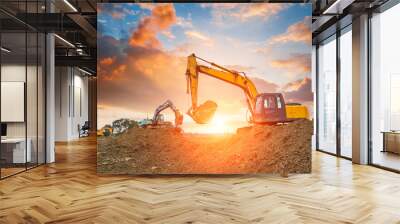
[{"x": 84, "y": 130}]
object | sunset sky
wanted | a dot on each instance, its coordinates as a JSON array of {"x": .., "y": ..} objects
[{"x": 142, "y": 50}]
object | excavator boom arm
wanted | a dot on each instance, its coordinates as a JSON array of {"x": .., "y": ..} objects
[
  {"x": 165, "y": 105},
  {"x": 224, "y": 74}
]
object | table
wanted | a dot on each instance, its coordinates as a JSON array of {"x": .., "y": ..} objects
[
  {"x": 391, "y": 141},
  {"x": 13, "y": 150}
]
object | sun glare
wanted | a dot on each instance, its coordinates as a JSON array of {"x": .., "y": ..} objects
[{"x": 218, "y": 125}]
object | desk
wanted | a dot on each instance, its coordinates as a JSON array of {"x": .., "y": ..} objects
[
  {"x": 13, "y": 150},
  {"x": 391, "y": 141}
]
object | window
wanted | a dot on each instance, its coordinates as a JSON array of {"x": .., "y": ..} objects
[
  {"x": 266, "y": 103},
  {"x": 259, "y": 105},
  {"x": 394, "y": 102},
  {"x": 327, "y": 95},
  {"x": 346, "y": 93},
  {"x": 385, "y": 89},
  {"x": 269, "y": 102},
  {"x": 278, "y": 99}
]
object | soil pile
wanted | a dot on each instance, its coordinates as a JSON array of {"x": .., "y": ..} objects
[{"x": 257, "y": 149}]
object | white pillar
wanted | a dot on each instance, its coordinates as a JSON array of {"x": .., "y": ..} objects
[
  {"x": 50, "y": 99},
  {"x": 314, "y": 90},
  {"x": 360, "y": 90}
]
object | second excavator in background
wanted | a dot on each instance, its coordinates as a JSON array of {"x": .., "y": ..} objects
[
  {"x": 265, "y": 108},
  {"x": 158, "y": 118}
]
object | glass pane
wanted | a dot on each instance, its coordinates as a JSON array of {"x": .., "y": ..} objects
[
  {"x": 386, "y": 89},
  {"x": 41, "y": 98},
  {"x": 22, "y": 88},
  {"x": 31, "y": 97},
  {"x": 327, "y": 96},
  {"x": 13, "y": 86},
  {"x": 346, "y": 94},
  {"x": 279, "y": 102}
]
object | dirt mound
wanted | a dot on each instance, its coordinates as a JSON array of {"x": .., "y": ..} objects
[{"x": 257, "y": 149}]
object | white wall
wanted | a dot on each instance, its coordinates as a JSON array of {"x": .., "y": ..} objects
[
  {"x": 80, "y": 104},
  {"x": 16, "y": 73},
  {"x": 71, "y": 102},
  {"x": 12, "y": 73},
  {"x": 33, "y": 127},
  {"x": 62, "y": 81}
]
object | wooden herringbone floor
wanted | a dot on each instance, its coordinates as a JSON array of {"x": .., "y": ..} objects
[{"x": 70, "y": 191}]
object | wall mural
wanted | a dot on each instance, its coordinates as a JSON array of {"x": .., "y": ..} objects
[{"x": 204, "y": 88}]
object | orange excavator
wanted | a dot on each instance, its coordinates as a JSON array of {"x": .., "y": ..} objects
[
  {"x": 265, "y": 108},
  {"x": 158, "y": 118}
]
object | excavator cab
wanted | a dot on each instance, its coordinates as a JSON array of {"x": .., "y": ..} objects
[
  {"x": 160, "y": 118},
  {"x": 269, "y": 109}
]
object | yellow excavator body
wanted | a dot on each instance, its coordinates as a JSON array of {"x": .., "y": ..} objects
[
  {"x": 102, "y": 130},
  {"x": 296, "y": 111}
]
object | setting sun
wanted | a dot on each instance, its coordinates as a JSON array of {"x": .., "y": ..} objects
[{"x": 218, "y": 125}]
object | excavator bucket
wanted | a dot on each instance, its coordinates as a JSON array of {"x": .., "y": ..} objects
[{"x": 203, "y": 113}]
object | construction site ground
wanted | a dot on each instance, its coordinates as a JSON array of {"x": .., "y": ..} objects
[{"x": 280, "y": 149}]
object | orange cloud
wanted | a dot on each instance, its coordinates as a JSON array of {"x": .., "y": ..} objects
[
  {"x": 99, "y": 8},
  {"x": 264, "y": 86},
  {"x": 107, "y": 61},
  {"x": 298, "y": 32},
  {"x": 118, "y": 71},
  {"x": 198, "y": 35},
  {"x": 296, "y": 85},
  {"x": 111, "y": 72},
  {"x": 243, "y": 12},
  {"x": 183, "y": 22},
  {"x": 168, "y": 34},
  {"x": 295, "y": 63},
  {"x": 117, "y": 15},
  {"x": 298, "y": 91},
  {"x": 220, "y": 5},
  {"x": 159, "y": 67},
  {"x": 200, "y": 38},
  {"x": 144, "y": 5},
  {"x": 259, "y": 10},
  {"x": 110, "y": 64},
  {"x": 162, "y": 17}
]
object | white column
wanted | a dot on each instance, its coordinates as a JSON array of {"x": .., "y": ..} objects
[
  {"x": 50, "y": 99},
  {"x": 314, "y": 90},
  {"x": 360, "y": 90}
]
